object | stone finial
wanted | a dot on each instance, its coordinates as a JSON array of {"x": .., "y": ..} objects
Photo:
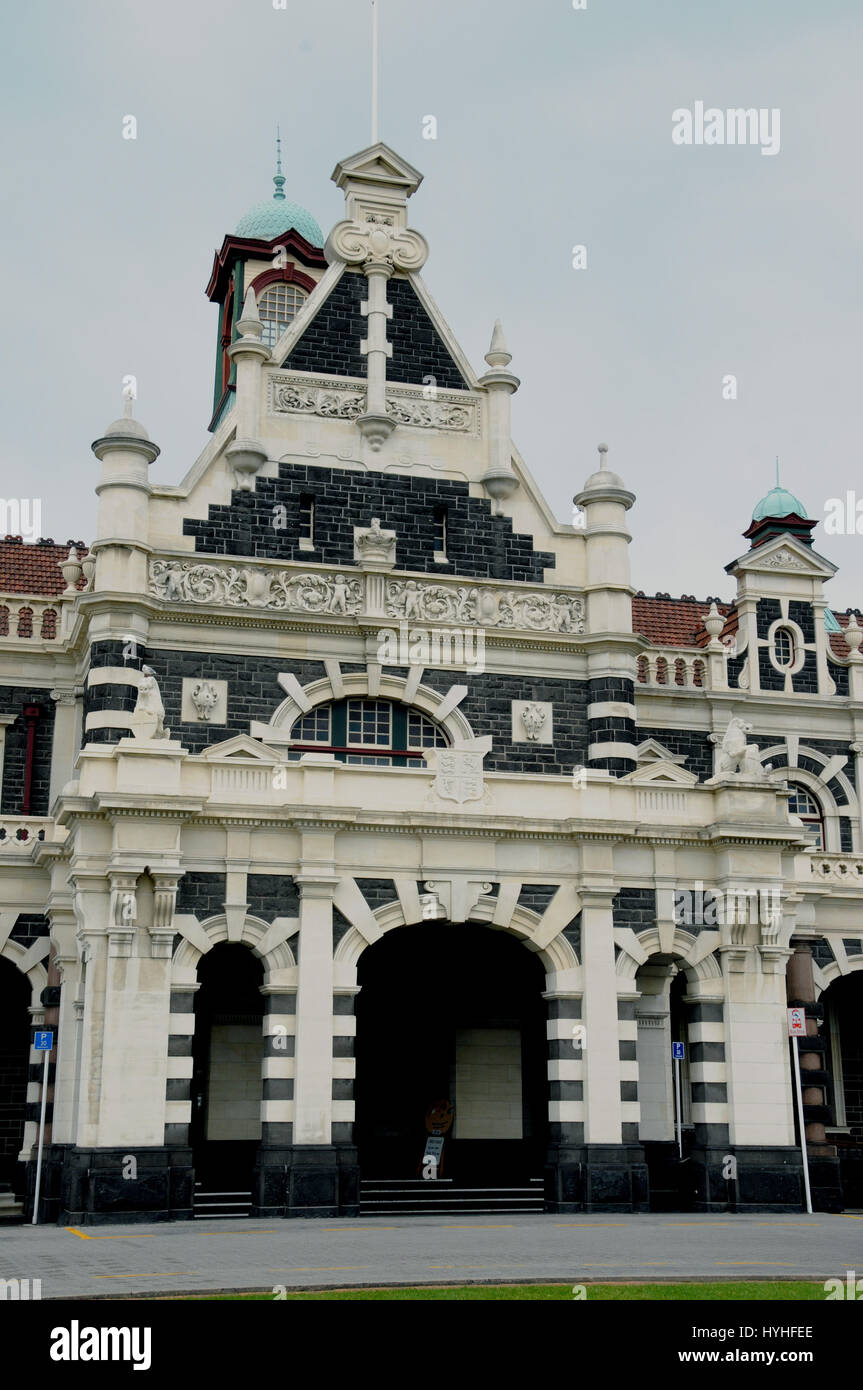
[
  {"x": 603, "y": 450},
  {"x": 714, "y": 622},
  {"x": 249, "y": 323},
  {"x": 72, "y": 570},
  {"x": 497, "y": 355},
  {"x": 853, "y": 635}
]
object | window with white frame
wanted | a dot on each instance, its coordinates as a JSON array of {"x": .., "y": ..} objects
[
  {"x": 369, "y": 732},
  {"x": 278, "y": 306}
]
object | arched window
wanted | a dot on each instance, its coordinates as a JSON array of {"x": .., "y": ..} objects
[
  {"x": 783, "y": 648},
  {"x": 804, "y": 805},
  {"x": 375, "y": 733},
  {"x": 278, "y": 305}
]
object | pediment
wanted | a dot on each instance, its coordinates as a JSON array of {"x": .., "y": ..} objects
[
  {"x": 241, "y": 746},
  {"x": 652, "y": 751},
  {"x": 783, "y": 554},
  {"x": 662, "y": 774},
  {"x": 380, "y": 165}
]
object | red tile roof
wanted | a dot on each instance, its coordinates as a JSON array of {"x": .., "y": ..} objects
[
  {"x": 676, "y": 622},
  {"x": 34, "y": 569},
  {"x": 838, "y": 644}
]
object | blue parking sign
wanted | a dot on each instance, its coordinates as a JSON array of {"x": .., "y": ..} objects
[
  {"x": 43, "y": 1042},
  {"x": 677, "y": 1052}
]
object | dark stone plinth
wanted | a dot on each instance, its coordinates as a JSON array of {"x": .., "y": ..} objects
[
  {"x": 596, "y": 1177},
  {"x": 86, "y": 1187},
  {"x": 310, "y": 1180},
  {"x": 768, "y": 1179}
]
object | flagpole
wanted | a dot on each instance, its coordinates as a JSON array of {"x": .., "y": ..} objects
[{"x": 375, "y": 39}]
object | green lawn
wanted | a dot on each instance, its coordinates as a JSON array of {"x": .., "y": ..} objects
[{"x": 716, "y": 1292}]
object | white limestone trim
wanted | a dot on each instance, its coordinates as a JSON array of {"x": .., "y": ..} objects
[
  {"x": 113, "y": 675},
  {"x": 211, "y": 450},
  {"x": 277, "y": 1068},
  {"x": 343, "y": 1112},
  {"x": 180, "y": 1068},
  {"x": 178, "y": 1112},
  {"x": 565, "y": 1111},
  {"x": 322, "y": 692},
  {"x": 708, "y": 1071},
  {"x": 292, "y": 688},
  {"x": 108, "y": 719},
  {"x": 344, "y": 1025},
  {"x": 349, "y": 899},
  {"x": 29, "y": 962},
  {"x": 279, "y": 962},
  {"x": 824, "y": 976},
  {"x": 444, "y": 330},
  {"x": 612, "y": 750},
  {"x": 279, "y": 1025},
  {"x": 831, "y": 768},
  {"x": 556, "y": 954},
  {"x": 181, "y": 1024},
  {"x": 334, "y": 676},
  {"x": 557, "y": 1028},
  {"x": 277, "y": 1111},
  {"x": 667, "y": 939},
  {"x": 707, "y": 1032},
  {"x": 711, "y": 1112},
  {"x": 561, "y": 1070},
  {"x": 611, "y": 709},
  {"x": 344, "y": 1068},
  {"x": 630, "y": 1112}
]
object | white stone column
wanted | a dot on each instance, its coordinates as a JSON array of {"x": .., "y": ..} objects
[
  {"x": 375, "y": 424},
  {"x": 760, "y": 1102},
  {"x": 313, "y": 1103},
  {"x": 64, "y": 747},
  {"x": 602, "y": 1102}
]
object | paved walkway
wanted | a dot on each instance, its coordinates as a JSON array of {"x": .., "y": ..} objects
[{"x": 108, "y": 1261}]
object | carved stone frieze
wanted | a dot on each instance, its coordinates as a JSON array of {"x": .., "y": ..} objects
[
  {"x": 422, "y": 408},
  {"x": 183, "y": 581},
  {"x": 411, "y": 599}
]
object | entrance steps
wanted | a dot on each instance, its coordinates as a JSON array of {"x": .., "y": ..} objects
[
  {"x": 211, "y": 1203},
  {"x": 417, "y": 1197},
  {"x": 11, "y": 1210}
]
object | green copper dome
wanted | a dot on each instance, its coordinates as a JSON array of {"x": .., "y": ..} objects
[
  {"x": 778, "y": 502},
  {"x": 274, "y": 216}
]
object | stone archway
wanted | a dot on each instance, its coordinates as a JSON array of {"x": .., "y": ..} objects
[{"x": 451, "y": 1012}]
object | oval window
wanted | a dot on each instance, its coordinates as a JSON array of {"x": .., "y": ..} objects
[{"x": 783, "y": 648}]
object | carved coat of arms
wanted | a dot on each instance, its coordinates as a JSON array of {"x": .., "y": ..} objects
[{"x": 460, "y": 771}]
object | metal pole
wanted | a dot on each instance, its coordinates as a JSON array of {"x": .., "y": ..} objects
[
  {"x": 679, "y": 1108},
  {"x": 375, "y": 36},
  {"x": 798, "y": 1088},
  {"x": 41, "y": 1138}
]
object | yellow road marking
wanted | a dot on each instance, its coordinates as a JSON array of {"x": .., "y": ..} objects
[
  {"x": 133, "y": 1235},
  {"x": 236, "y": 1233},
  {"x": 493, "y": 1226},
  {"x": 159, "y": 1274},
  {"x": 590, "y": 1225},
  {"x": 778, "y": 1264},
  {"x": 313, "y": 1269}
]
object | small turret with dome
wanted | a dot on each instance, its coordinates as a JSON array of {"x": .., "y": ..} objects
[
  {"x": 277, "y": 251},
  {"x": 778, "y": 512},
  {"x": 274, "y": 216}
]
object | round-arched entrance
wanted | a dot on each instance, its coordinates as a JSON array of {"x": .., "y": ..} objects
[
  {"x": 454, "y": 1013},
  {"x": 14, "y": 1065},
  {"x": 226, "y": 1078},
  {"x": 843, "y": 1031}
]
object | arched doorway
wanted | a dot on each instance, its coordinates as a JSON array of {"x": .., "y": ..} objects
[
  {"x": 662, "y": 1021},
  {"x": 14, "y": 1065},
  {"x": 227, "y": 1079},
  {"x": 843, "y": 1030},
  {"x": 451, "y": 1012}
]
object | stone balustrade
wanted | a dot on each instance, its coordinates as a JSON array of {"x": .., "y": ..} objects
[
  {"x": 18, "y": 834},
  {"x": 676, "y": 667},
  {"x": 25, "y": 618},
  {"x": 844, "y": 869}
]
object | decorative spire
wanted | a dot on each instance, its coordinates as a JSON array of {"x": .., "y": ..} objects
[
  {"x": 278, "y": 177},
  {"x": 497, "y": 355},
  {"x": 603, "y": 450},
  {"x": 777, "y": 470}
]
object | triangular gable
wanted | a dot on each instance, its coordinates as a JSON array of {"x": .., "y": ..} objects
[
  {"x": 662, "y": 774},
  {"x": 239, "y": 748},
  {"x": 378, "y": 164},
  {"x": 785, "y": 554},
  {"x": 651, "y": 751},
  {"x": 330, "y": 343}
]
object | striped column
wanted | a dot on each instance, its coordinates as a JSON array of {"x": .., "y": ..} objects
[
  {"x": 565, "y": 1070},
  {"x": 178, "y": 1085},
  {"x": 277, "y": 1067},
  {"x": 707, "y": 1074},
  {"x": 111, "y": 690},
  {"x": 611, "y": 729},
  {"x": 627, "y": 1043},
  {"x": 344, "y": 1064}
]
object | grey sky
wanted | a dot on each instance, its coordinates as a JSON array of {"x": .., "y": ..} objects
[{"x": 554, "y": 129}]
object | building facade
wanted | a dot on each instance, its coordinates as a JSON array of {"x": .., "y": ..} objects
[{"x": 344, "y": 790}]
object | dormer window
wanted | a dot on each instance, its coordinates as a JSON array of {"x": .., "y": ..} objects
[{"x": 278, "y": 306}]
